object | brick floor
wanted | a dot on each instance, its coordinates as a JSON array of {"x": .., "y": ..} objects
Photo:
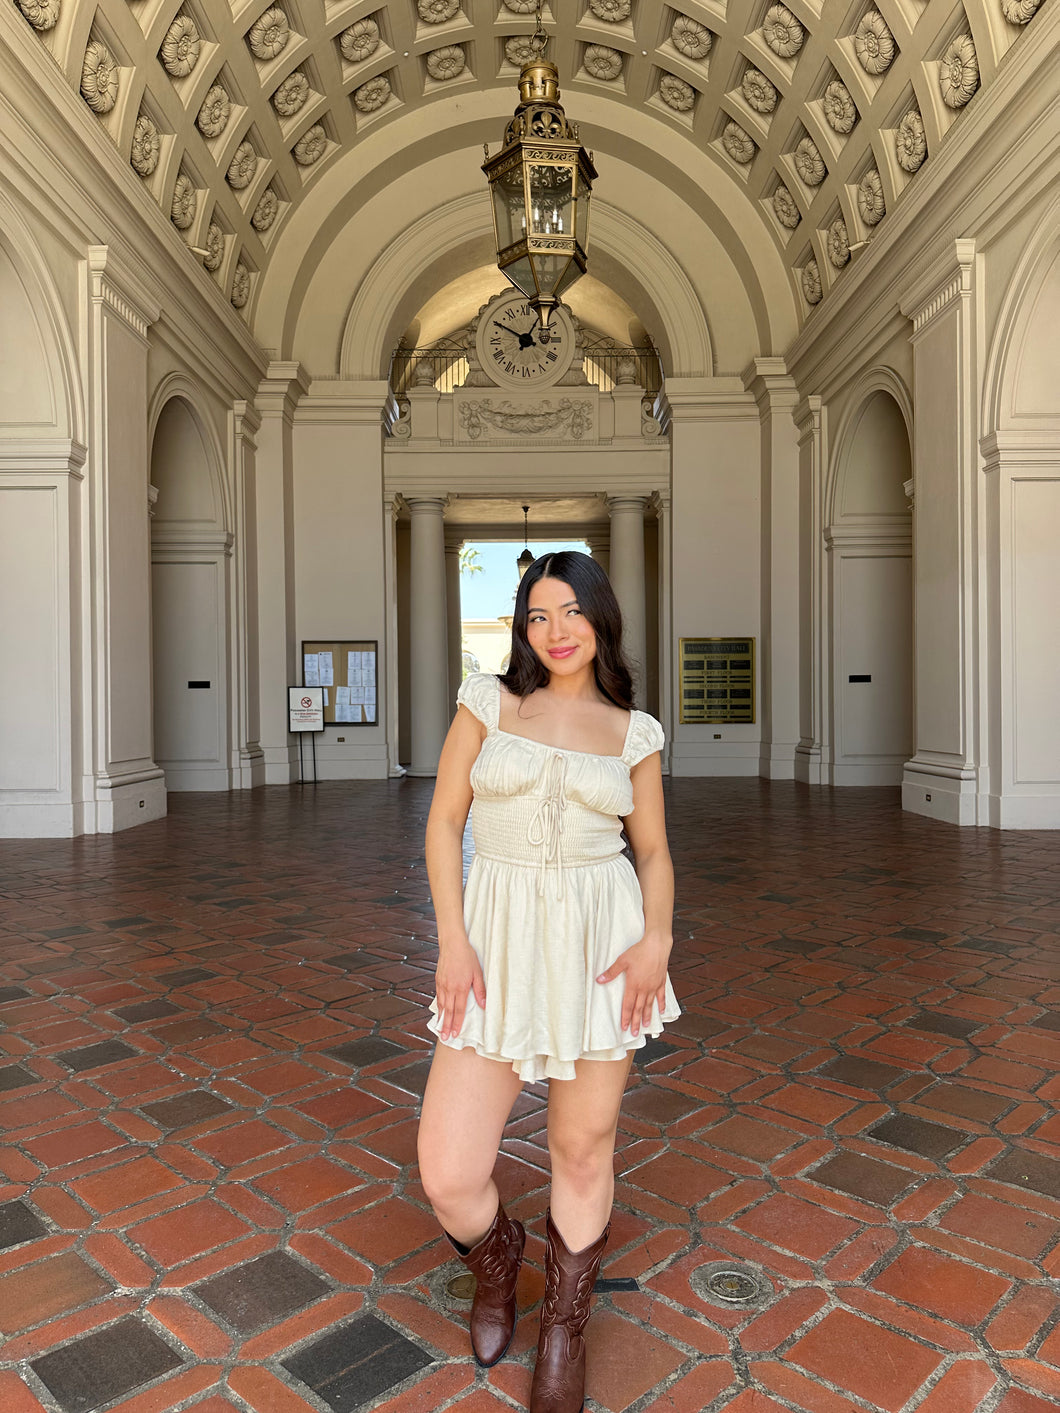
[{"x": 213, "y": 1049}]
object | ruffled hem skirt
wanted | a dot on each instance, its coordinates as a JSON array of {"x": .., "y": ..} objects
[{"x": 541, "y": 954}]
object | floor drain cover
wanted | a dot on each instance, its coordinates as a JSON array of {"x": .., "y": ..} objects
[
  {"x": 734, "y": 1286},
  {"x": 731, "y": 1284},
  {"x": 461, "y": 1287}
]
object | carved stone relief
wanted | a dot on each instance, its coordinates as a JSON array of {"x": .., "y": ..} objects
[
  {"x": 613, "y": 11},
  {"x": 959, "y": 72},
  {"x": 269, "y": 34},
  {"x": 809, "y": 163},
  {"x": 787, "y": 212},
  {"x": 783, "y": 32},
  {"x": 214, "y": 113},
  {"x": 240, "y": 286},
  {"x": 311, "y": 146},
  {"x": 567, "y": 418},
  {"x": 839, "y": 111},
  {"x": 185, "y": 200},
  {"x": 838, "y": 243},
  {"x": 874, "y": 43},
  {"x": 676, "y": 94},
  {"x": 871, "y": 204},
  {"x": 910, "y": 143},
  {"x": 146, "y": 146},
  {"x": 266, "y": 209},
  {"x": 691, "y": 38},
  {"x": 811, "y": 282},
  {"x": 602, "y": 62},
  {"x": 242, "y": 167},
  {"x": 373, "y": 94},
  {"x": 181, "y": 47},
  {"x": 446, "y": 63},
  {"x": 42, "y": 14},
  {"x": 291, "y": 95},
  {"x": 436, "y": 12},
  {"x": 359, "y": 41},
  {"x": 214, "y": 247},
  {"x": 738, "y": 143},
  {"x": 760, "y": 93},
  {"x": 99, "y": 77}
]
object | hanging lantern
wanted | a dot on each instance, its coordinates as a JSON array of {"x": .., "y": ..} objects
[
  {"x": 526, "y": 558},
  {"x": 540, "y": 182}
]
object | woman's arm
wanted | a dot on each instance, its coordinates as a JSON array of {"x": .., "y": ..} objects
[
  {"x": 644, "y": 964},
  {"x": 458, "y": 970}
]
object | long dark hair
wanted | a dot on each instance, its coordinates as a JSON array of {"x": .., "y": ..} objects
[{"x": 596, "y": 599}]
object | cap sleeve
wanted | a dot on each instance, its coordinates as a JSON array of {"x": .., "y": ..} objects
[
  {"x": 645, "y": 736},
  {"x": 481, "y": 694}
]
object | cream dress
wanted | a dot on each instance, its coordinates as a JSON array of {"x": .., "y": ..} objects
[{"x": 551, "y": 901}]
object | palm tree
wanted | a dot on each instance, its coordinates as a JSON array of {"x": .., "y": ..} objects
[{"x": 469, "y": 562}]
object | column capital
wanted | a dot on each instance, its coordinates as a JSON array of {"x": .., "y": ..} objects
[
  {"x": 120, "y": 291},
  {"x": 246, "y": 420},
  {"x": 771, "y": 385},
  {"x": 626, "y": 504},
  {"x": 426, "y": 505},
  {"x": 281, "y": 389},
  {"x": 947, "y": 279},
  {"x": 809, "y": 416}
]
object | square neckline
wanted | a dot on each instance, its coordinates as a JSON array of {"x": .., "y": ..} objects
[{"x": 564, "y": 750}]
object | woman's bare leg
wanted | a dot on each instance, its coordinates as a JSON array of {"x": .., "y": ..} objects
[
  {"x": 582, "y": 1120},
  {"x": 465, "y": 1107}
]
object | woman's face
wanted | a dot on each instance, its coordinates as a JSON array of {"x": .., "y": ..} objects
[{"x": 559, "y": 633}]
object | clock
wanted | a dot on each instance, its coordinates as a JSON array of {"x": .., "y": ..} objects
[{"x": 510, "y": 347}]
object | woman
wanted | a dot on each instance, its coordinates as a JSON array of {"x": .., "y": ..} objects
[{"x": 553, "y": 963}]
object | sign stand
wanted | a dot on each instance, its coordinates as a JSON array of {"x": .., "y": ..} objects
[{"x": 305, "y": 711}]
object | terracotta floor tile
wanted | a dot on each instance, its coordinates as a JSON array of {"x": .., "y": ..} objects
[
  {"x": 304, "y": 1185},
  {"x": 1012, "y": 1228},
  {"x": 623, "y": 1361},
  {"x": 796, "y": 1226},
  {"x": 189, "y": 1231},
  {"x": 951, "y": 1289},
  {"x": 888, "y": 1368},
  {"x": 50, "y": 1287},
  {"x": 383, "y": 1233}
]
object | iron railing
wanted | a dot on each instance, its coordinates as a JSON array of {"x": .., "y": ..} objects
[{"x": 444, "y": 366}]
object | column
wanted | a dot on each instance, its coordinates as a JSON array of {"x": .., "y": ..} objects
[
  {"x": 428, "y": 633},
  {"x": 248, "y": 761},
  {"x": 600, "y": 548},
  {"x": 947, "y": 777},
  {"x": 775, "y": 393},
  {"x": 278, "y": 667},
  {"x": 627, "y": 577},
  {"x": 454, "y": 634},
  {"x": 812, "y": 752},
  {"x": 122, "y": 784}
]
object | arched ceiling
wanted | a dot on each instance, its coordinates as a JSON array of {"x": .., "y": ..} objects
[{"x": 820, "y": 112}]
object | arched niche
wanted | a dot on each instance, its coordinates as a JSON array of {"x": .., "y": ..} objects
[
  {"x": 1021, "y": 390},
  {"x": 868, "y": 539},
  {"x": 190, "y": 563}
]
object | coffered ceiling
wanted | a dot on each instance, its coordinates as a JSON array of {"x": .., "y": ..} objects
[{"x": 821, "y": 112}]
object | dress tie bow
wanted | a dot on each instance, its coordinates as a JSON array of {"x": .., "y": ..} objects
[{"x": 546, "y": 825}]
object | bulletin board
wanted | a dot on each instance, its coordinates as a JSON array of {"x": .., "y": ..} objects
[
  {"x": 717, "y": 678},
  {"x": 347, "y": 670}
]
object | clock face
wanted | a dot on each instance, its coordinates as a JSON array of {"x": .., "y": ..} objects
[{"x": 511, "y": 349}]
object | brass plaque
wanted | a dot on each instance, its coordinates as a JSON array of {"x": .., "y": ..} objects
[{"x": 717, "y": 680}]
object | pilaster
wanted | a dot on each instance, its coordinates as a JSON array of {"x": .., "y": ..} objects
[
  {"x": 948, "y": 772},
  {"x": 277, "y": 399},
  {"x": 122, "y": 784},
  {"x": 776, "y": 397},
  {"x": 812, "y": 752}
]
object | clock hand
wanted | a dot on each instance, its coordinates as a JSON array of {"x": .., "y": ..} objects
[{"x": 503, "y": 327}]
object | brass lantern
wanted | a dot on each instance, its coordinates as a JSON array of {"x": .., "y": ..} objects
[{"x": 540, "y": 182}]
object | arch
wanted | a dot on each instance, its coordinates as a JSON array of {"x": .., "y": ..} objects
[
  {"x": 1022, "y": 314},
  {"x": 176, "y": 387},
  {"x": 879, "y": 379},
  {"x": 386, "y": 302},
  {"x": 45, "y": 324},
  {"x": 714, "y": 230}
]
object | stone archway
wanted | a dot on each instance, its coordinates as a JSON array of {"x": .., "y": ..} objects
[
  {"x": 190, "y": 559},
  {"x": 868, "y": 539}
]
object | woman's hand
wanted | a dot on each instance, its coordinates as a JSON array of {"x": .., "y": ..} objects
[
  {"x": 458, "y": 972},
  {"x": 644, "y": 967}
]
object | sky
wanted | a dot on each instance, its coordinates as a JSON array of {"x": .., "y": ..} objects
[{"x": 492, "y": 593}]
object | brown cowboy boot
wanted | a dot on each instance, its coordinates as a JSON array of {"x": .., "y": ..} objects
[
  {"x": 559, "y": 1375},
  {"x": 494, "y": 1262}
]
